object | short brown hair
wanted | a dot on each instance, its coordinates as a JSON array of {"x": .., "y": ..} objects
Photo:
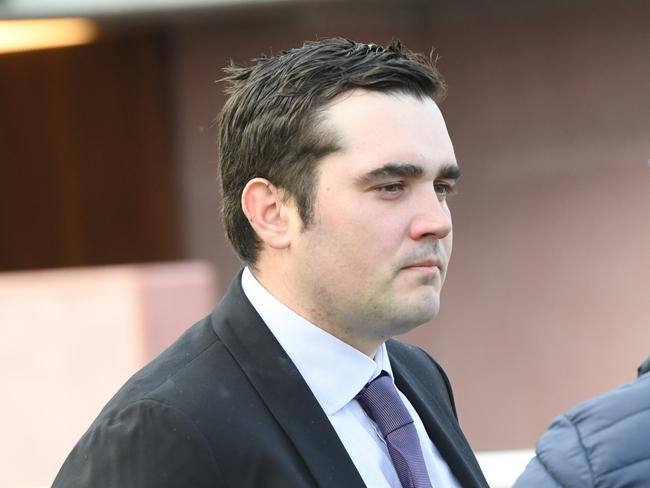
[{"x": 269, "y": 124}]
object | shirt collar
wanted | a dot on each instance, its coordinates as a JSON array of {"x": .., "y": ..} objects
[{"x": 334, "y": 371}]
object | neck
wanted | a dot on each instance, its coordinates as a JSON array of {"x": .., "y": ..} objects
[{"x": 278, "y": 284}]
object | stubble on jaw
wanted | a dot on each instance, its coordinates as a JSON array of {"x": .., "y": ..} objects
[{"x": 362, "y": 318}]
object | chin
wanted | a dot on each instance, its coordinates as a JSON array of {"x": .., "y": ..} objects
[
  {"x": 423, "y": 303},
  {"x": 416, "y": 315}
]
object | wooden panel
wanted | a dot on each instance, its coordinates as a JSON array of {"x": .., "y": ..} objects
[{"x": 85, "y": 156}]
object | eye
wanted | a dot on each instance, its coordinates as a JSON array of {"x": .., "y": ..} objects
[
  {"x": 391, "y": 190},
  {"x": 443, "y": 190}
]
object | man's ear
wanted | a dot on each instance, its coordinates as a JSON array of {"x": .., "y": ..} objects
[{"x": 263, "y": 204}]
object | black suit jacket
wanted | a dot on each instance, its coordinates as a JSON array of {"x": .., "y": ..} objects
[{"x": 224, "y": 406}]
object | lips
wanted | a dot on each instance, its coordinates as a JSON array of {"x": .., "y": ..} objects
[{"x": 426, "y": 263}]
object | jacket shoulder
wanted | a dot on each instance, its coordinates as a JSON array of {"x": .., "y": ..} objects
[
  {"x": 153, "y": 421},
  {"x": 145, "y": 444},
  {"x": 179, "y": 367}
]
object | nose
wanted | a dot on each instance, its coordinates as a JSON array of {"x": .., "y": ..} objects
[{"x": 432, "y": 219}]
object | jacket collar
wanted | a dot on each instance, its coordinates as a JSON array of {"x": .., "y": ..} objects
[
  {"x": 279, "y": 384},
  {"x": 438, "y": 418}
]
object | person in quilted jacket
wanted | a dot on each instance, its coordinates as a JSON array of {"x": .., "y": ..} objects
[{"x": 602, "y": 442}]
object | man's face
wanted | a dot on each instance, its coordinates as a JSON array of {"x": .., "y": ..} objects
[{"x": 373, "y": 261}]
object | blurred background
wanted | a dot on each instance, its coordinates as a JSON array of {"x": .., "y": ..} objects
[{"x": 111, "y": 242}]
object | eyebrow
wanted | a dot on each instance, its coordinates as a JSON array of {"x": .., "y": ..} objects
[
  {"x": 449, "y": 172},
  {"x": 405, "y": 170}
]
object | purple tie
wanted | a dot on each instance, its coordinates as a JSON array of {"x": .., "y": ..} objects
[{"x": 381, "y": 401}]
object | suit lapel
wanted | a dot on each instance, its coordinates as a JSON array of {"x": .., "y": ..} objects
[
  {"x": 439, "y": 421},
  {"x": 283, "y": 390}
]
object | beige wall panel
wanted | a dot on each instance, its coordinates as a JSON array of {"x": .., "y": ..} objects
[{"x": 70, "y": 339}]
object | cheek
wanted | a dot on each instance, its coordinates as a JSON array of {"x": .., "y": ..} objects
[
  {"x": 355, "y": 247},
  {"x": 447, "y": 243},
  {"x": 358, "y": 234}
]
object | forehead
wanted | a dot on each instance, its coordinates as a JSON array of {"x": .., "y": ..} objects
[{"x": 374, "y": 129}]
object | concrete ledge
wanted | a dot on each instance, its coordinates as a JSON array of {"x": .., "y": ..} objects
[{"x": 502, "y": 468}]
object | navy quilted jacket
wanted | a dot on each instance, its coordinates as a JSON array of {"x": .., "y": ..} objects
[{"x": 603, "y": 442}]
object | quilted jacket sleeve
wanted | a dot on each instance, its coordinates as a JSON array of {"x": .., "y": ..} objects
[
  {"x": 600, "y": 442},
  {"x": 560, "y": 459},
  {"x": 536, "y": 475}
]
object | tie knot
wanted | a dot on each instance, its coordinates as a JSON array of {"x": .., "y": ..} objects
[{"x": 381, "y": 401}]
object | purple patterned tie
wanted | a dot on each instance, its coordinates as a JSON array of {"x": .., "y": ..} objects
[{"x": 381, "y": 401}]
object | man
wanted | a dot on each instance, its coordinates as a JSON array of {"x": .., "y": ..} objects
[
  {"x": 600, "y": 442},
  {"x": 336, "y": 166}
]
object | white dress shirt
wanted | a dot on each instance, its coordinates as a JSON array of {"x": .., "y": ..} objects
[{"x": 335, "y": 372}]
